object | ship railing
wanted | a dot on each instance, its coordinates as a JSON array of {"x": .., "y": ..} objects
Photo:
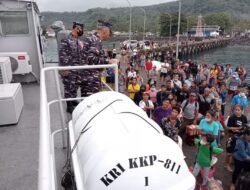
[{"x": 47, "y": 178}]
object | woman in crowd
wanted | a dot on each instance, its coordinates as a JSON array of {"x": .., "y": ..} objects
[
  {"x": 213, "y": 74},
  {"x": 241, "y": 99},
  {"x": 139, "y": 94},
  {"x": 210, "y": 126},
  {"x": 234, "y": 127},
  {"x": 153, "y": 92},
  {"x": 146, "y": 104},
  {"x": 133, "y": 88},
  {"x": 172, "y": 124},
  {"x": 142, "y": 61},
  {"x": 223, "y": 96},
  {"x": 149, "y": 66}
]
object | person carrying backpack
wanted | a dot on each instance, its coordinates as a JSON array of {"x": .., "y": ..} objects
[
  {"x": 205, "y": 101},
  {"x": 241, "y": 156},
  {"x": 204, "y": 155},
  {"x": 190, "y": 112}
]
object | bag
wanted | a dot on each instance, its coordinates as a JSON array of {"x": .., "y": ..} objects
[
  {"x": 230, "y": 144},
  {"x": 226, "y": 121},
  {"x": 192, "y": 132},
  {"x": 68, "y": 180},
  {"x": 187, "y": 102},
  {"x": 190, "y": 139}
]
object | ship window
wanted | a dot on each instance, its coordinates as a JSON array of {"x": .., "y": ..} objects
[{"x": 14, "y": 22}]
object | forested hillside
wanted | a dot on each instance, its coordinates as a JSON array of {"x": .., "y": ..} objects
[{"x": 235, "y": 9}]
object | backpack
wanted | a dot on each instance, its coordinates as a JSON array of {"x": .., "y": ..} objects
[
  {"x": 231, "y": 143},
  {"x": 184, "y": 107}
]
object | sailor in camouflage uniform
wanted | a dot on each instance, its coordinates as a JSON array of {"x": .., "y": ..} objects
[
  {"x": 94, "y": 55},
  {"x": 70, "y": 55}
]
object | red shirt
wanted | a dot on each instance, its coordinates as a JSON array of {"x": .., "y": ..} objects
[
  {"x": 149, "y": 65},
  {"x": 222, "y": 120}
]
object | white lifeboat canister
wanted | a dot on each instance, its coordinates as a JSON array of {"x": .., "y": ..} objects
[{"x": 117, "y": 147}]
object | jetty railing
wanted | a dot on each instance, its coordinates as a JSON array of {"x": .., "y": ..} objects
[{"x": 47, "y": 178}]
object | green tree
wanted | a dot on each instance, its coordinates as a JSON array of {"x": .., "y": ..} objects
[
  {"x": 241, "y": 25},
  {"x": 186, "y": 22},
  {"x": 221, "y": 19},
  {"x": 164, "y": 24},
  {"x": 191, "y": 21}
]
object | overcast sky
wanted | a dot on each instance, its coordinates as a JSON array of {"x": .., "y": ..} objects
[{"x": 83, "y": 5}]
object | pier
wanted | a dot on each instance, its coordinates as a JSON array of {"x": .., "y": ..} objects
[{"x": 192, "y": 47}]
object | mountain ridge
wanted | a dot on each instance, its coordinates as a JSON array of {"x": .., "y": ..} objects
[{"x": 119, "y": 17}]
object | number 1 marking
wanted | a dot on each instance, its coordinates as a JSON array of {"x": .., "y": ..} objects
[{"x": 146, "y": 181}]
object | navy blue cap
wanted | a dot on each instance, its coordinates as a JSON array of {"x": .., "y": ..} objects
[
  {"x": 78, "y": 24},
  {"x": 102, "y": 23}
]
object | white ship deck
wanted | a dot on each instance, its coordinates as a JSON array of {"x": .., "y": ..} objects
[{"x": 19, "y": 144}]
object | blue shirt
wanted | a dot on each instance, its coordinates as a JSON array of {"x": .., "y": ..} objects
[
  {"x": 242, "y": 149},
  {"x": 211, "y": 128},
  {"x": 223, "y": 96},
  {"x": 237, "y": 99}
]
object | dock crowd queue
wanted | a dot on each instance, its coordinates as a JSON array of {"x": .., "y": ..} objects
[{"x": 187, "y": 100}]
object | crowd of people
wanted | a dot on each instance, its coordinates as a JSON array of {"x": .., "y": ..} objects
[
  {"x": 185, "y": 96},
  {"x": 187, "y": 100}
]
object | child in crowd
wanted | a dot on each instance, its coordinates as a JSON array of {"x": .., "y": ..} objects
[
  {"x": 204, "y": 155},
  {"x": 153, "y": 93},
  {"x": 214, "y": 185}
]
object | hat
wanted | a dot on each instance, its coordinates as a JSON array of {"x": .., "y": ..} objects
[
  {"x": 102, "y": 23},
  {"x": 78, "y": 24},
  {"x": 192, "y": 94}
]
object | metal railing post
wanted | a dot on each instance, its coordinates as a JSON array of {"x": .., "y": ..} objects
[
  {"x": 170, "y": 26},
  {"x": 59, "y": 95},
  {"x": 178, "y": 32},
  {"x": 130, "y": 20},
  {"x": 45, "y": 179},
  {"x": 116, "y": 79}
]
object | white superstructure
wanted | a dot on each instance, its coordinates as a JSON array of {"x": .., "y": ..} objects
[
  {"x": 5, "y": 70},
  {"x": 20, "y": 31}
]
